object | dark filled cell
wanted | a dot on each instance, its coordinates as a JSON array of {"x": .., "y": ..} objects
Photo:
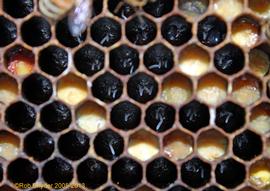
[
  {"x": 107, "y": 87},
  {"x": 38, "y": 26},
  {"x": 161, "y": 172},
  {"x": 195, "y": 172},
  {"x": 158, "y": 59},
  {"x": 53, "y": 60},
  {"x": 158, "y": 8},
  {"x": 142, "y": 87},
  {"x": 89, "y": 60},
  {"x": 106, "y": 31},
  {"x": 176, "y": 30},
  {"x": 126, "y": 173},
  {"x": 37, "y": 88},
  {"x": 73, "y": 145},
  {"x": 18, "y": 8},
  {"x": 230, "y": 117},
  {"x": 64, "y": 35},
  {"x": 55, "y": 116},
  {"x": 97, "y": 7},
  {"x": 229, "y": 59},
  {"x": 93, "y": 173},
  {"x": 39, "y": 189},
  {"x": 125, "y": 115},
  {"x": 57, "y": 170},
  {"x": 120, "y": 8},
  {"x": 110, "y": 188},
  {"x": 194, "y": 116},
  {"x": 38, "y": 145},
  {"x": 179, "y": 188},
  {"x": 160, "y": 116},
  {"x": 211, "y": 31},
  {"x": 230, "y": 173},
  {"x": 247, "y": 145},
  {"x": 124, "y": 60},
  {"x": 8, "y": 31},
  {"x": 20, "y": 116},
  {"x": 1, "y": 173},
  {"x": 22, "y": 171},
  {"x": 109, "y": 144},
  {"x": 141, "y": 30},
  {"x": 212, "y": 188}
]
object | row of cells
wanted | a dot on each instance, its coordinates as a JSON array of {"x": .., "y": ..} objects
[
  {"x": 127, "y": 173},
  {"x": 140, "y": 30}
]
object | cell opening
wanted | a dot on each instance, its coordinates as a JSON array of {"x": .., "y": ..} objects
[
  {"x": 8, "y": 89},
  {"x": 259, "y": 174},
  {"x": 228, "y": 9},
  {"x": 260, "y": 7},
  {"x": 260, "y": 118},
  {"x": 9, "y": 145},
  {"x": 194, "y": 8}
]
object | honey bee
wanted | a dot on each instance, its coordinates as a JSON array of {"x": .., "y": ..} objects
[{"x": 78, "y": 12}]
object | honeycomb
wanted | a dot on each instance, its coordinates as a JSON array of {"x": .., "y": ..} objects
[{"x": 171, "y": 96}]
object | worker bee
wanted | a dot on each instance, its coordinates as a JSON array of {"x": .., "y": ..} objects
[{"x": 77, "y": 11}]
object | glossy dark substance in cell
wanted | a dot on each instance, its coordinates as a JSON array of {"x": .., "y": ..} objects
[
  {"x": 8, "y": 31},
  {"x": 178, "y": 188},
  {"x": 18, "y": 8},
  {"x": 158, "y": 8},
  {"x": 120, "y": 8}
]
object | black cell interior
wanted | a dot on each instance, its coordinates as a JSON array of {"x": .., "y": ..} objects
[
  {"x": 8, "y": 31},
  {"x": 18, "y": 8},
  {"x": 158, "y": 8},
  {"x": 120, "y": 9}
]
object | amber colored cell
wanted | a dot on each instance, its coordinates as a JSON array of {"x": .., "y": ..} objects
[
  {"x": 260, "y": 7},
  {"x": 8, "y": 89},
  {"x": 143, "y": 145},
  {"x": 176, "y": 89},
  {"x": 19, "y": 61},
  {"x": 260, "y": 118},
  {"x": 212, "y": 89},
  {"x": 228, "y": 9},
  {"x": 9, "y": 145},
  {"x": 245, "y": 31},
  {"x": 72, "y": 89},
  {"x": 259, "y": 174},
  {"x": 194, "y": 60},
  {"x": 212, "y": 145},
  {"x": 259, "y": 62},
  {"x": 178, "y": 145},
  {"x": 246, "y": 89},
  {"x": 247, "y": 189},
  {"x": 91, "y": 117}
]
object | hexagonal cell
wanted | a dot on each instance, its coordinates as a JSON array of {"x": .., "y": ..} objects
[
  {"x": 212, "y": 89},
  {"x": 245, "y": 31},
  {"x": 178, "y": 145},
  {"x": 19, "y": 60},
  {"x": 260, "y": 7},
  {"x": 230, "y": 117},
  {"x": 178, "y": 188},
  {"x": 228, "y": 9},
  {"x": 8, "y": 89},
  {"x": 120, "y": 8},
  {"x": 247, "y": 145},
  {"x": 91, "y": 117},
  {"x": 194, "y": 8},
  {"x": 230, "y": 173},
  {"x": 9, "y": 145},
  {"x": 158, "y": 8},
  {"x": 194, "y": 60},
  {"x": 176, "y": 89},
  {"x": 247, "y": 89},
  {"x": 8, "y": 31},
  {"x": 260, "y": 118},
  {"x": 212, "y": 145},
  {"x": 18, "y": 8},
  {"x": 259, "y": 174},
  {"x": 259, "y": 61},
  {"x": 143, "y": 145},
  {"x": 72, "y": 89}
]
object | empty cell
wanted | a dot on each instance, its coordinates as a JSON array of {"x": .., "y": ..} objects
[
  {"x": 9, "y": 145},
  {"x": 212, "y": 89},
  {"x": 193, "y": 60},
  {"x": 259, "y": 62},
  {"x": 176, "y": 89},
  {"x": 8, "y": 89},
  {"x": 91, "y": 117},
  {"x": 194, "y": 7},
  {"x": 19, "y": 60},
  {"x": 177, "y": 145},
  {"x": 72, "y": 89},
  {"x": 245, "y": 31},
  {"x": 260, "y": 118},
  {"x": 260, "y": 7},
  {"x": 212, "y": 145},
  {"x": 143, "y": 145},
  {"x": 246, "y": 89},
  {"x": 228, "y": 9},
  {"x": 259, "y": 174}
]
